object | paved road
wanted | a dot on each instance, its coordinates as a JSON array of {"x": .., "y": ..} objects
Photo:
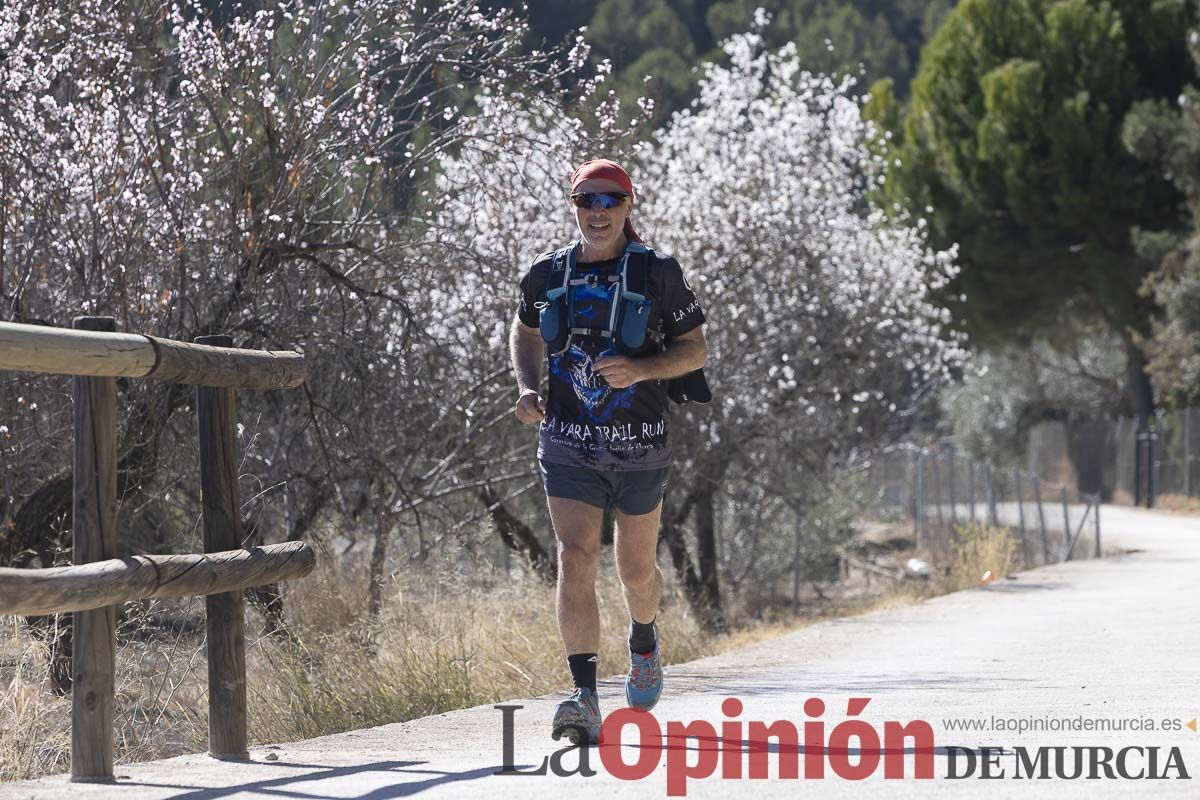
[{"x": 1118, "y": 638}]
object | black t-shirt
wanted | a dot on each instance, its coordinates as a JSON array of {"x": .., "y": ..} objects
[{"x": 588, "y": 423}]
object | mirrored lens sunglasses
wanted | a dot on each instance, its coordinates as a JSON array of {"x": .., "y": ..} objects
[{"x": 605, "y": 199}]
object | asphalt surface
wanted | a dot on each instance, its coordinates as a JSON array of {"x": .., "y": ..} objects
[{"x": 1088, "y": 642}]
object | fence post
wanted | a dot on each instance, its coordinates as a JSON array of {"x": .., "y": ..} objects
[
  {"x": 937, "y": 490},
  {"x": 1187, "y": 452},
  {"x": 1155, "y": 470},
  {"x": 1037, "y": 495},
  {"x": 1139, "y": 467},
  {"x": 971, "y": 486},
  {"x": 991, "y": 495},
  {"x": 1097, "y": 525},
  {"x": 918, "y": 498},
  {"x": 1021, "y": 516},
  {"x": 953, "y": 494},
  {"x": 1066, "y": 523},
  {"x": 216, "y": 413},
  {"x": 796, "y": 569},
  {"x": 94, "y": 536}
]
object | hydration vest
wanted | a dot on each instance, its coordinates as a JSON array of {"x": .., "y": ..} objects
[
  {"x": 628, "y": 314},
  {"x": 629, "y": 308}
]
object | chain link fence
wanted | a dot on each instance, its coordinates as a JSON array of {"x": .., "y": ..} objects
[
  {"x": 1125, "y": 462},
  {"x": 934, "y": 491},
  {"x": 1167, "y": 455}
]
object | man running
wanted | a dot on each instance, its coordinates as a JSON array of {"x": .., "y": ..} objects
[{"x": 617, "y": 321}]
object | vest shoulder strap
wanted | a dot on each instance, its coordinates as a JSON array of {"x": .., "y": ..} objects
[
  {"x": 560, "y": 273},
  {"x": 637, "y": 270}
]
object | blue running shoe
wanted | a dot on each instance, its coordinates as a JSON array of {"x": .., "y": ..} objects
[
  {"x": 578, "y": 717},
  {"x": 645, "y": 681}
]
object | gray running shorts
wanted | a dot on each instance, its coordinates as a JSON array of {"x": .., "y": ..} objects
[{"x": 636, "y": 491}]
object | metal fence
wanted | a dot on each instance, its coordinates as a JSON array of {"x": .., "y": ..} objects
[
  {"x": 1125, "y": 462},
  {"x": 1166, "y": 456},
  {"x": 935, "y": 491}
]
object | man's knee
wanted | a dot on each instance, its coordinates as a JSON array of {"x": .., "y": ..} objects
[
  {"x": 577, "y": 560},
  {"x": 639, "y": 574}
]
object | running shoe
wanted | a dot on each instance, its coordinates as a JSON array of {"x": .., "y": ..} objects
[
  {"x": 645, "y": 681},
  {"x": 578, "y": 717}
]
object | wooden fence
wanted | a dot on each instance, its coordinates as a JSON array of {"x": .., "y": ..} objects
[{"x": 98, "y": 581}]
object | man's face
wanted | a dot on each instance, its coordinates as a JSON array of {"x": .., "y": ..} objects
[{"x": 601, "y": 227}]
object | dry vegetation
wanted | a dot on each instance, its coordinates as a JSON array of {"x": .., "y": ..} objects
[
  {"x": 1177, "y": 504},
  {"x": 449, "y": 638}
]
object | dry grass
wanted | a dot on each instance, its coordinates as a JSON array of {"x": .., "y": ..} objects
[
  {"x": 445, "y": 640},
  {"x": 981, "y": 554},
  {"x": 1177, "y": 504}
]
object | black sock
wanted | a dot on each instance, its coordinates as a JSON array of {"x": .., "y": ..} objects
[
  {"x": 583, "y": 670},
  {"x": 641, "y": 635}
]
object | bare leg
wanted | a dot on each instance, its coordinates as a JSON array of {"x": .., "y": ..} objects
[
  {"x": 577, "y": 529},
  {"x": 636, "y": 546}
]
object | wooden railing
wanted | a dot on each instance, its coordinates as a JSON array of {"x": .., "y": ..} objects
[{"x": 98, "y": 581}]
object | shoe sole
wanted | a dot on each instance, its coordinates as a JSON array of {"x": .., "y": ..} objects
[{"x": 572, "y": 724}]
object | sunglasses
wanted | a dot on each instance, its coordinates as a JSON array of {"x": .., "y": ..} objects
[{"x": 605, "y": 199}]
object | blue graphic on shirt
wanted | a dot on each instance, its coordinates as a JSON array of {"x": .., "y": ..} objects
[
  {"x": 592, "y": 306},
  {"x": 599, "y": 402}
]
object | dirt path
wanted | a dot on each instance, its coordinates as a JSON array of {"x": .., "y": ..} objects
[{"x": 1111, "y": 639}]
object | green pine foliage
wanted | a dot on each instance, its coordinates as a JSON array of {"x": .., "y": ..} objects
[
  {"x": 655, "y": 46},
  {"x": 1012, "y": 148},
  {"x": 1166, "y": 135}
]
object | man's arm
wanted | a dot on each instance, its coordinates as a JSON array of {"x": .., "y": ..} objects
[
  {"x": 687, "y": 352},
  {"x": 526, "y": 349}
]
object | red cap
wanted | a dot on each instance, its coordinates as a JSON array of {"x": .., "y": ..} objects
[{"x": 609, "y": 170}]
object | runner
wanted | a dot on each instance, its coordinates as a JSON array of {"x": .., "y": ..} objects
[{"x": 618, "y": 322}]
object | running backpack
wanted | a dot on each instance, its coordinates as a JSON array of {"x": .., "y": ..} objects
[{"x": 628, "y": 315}]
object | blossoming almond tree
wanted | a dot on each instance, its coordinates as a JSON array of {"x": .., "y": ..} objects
[
  {"x": 255, "y": 172},
  {"x": 822, "y": 336}
]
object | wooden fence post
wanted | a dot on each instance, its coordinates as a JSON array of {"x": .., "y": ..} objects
[
  {"x": 216, "y": 414},
  {"x": 94, "y": 537}
]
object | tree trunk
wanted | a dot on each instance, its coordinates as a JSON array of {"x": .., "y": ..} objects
[
  {"x": 34, "y": 533},
  {"x": 1137, "y": 382},
  {"x": 383, "y": 535},
  {"x": 706, "y": 548},
  {"x": 40, "y": 533},
  {"x": 39, "y": 524},
  {"x": 681, "y": 560},
  {"x": 517, "y": 536},
  {"x": 267, "y": 598}
]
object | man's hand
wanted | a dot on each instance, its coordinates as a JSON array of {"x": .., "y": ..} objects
[
  {"x": 619, "y": 371},
  {"x": 530, "y": 408}
]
